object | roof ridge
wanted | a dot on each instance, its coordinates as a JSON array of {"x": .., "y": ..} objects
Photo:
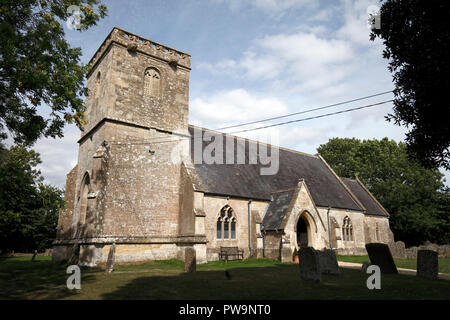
[{"x": 255, "y": 141}]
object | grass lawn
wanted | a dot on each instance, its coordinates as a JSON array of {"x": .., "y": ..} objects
[
  {"x": 250, "y": 279},
  {"x": 444, "y": 264}
]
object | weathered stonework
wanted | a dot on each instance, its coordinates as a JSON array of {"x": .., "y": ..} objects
[
  {"x": 124, "y": 189},
  {"x": 127, "y": 187}
]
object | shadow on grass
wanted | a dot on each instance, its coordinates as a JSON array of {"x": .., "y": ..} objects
[
  {"x": 277, "y": 282},
  {"x": 23, "y": 279}
]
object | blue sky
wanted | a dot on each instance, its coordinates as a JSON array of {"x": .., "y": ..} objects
[{"x": 254, "y": 59}]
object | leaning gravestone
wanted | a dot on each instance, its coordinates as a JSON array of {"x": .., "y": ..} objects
[
  {"x": 380, "y": 256},
  {"x": 111, "y": 258},
  {"x": 328, "y": 262},
  {"x": 309, "y": 264},
  {"x": 365, "y": 265},
  {"x": 190, "y": 260},
  {"x": 427, "y": 264}
]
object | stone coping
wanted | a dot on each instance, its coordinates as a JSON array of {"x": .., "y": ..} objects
[
  {"x": 143, "y": 45},
  {"x": 188, "y": 239}
]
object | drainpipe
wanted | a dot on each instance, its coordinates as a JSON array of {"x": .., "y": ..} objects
[
  {"x": 329, "y": 230},
  {"x": 249, "y": 233}
]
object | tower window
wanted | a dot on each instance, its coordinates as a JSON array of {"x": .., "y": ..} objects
[{"x": 152, "y": 82}]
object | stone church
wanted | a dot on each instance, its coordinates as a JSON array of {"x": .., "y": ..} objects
[{"x": 127, "y": 190}]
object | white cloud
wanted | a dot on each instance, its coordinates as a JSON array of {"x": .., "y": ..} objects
[
  {"x": 237, "y": 105},
  {"x": 58, "y": 156},
  {"x": 300, "y": 61},
  {"x": 355, "y": 27}
]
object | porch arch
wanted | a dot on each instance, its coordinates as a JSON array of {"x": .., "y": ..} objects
[{"x": 304, "y": 227}]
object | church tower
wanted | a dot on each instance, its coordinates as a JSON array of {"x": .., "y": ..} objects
[{"x": 125, "y": 188}]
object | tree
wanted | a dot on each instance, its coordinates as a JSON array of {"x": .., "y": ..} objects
[
  {"x": 414, "y": 196},
  {"x": 38, "y": 66},
  {"x": 416, "y": 36},
  {"x": 28, "y": 207}
]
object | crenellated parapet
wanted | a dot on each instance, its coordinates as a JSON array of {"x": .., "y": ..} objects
[{"x": 135, "y": 43}]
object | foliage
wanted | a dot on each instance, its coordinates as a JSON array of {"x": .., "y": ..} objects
[
  {"x": 416, "y": 36},
  {"x": 38, "y": 67},
  {"x": 414, "y": 196},
  {"x": 28, "y": 207}
]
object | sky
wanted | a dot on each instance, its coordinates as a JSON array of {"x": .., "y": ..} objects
[{"x": 256, "y": 59}]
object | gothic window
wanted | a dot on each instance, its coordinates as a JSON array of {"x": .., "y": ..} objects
[
  {"x": 152, "y": 82},
  {"x": 219, "y": 228},
  {"x": 226, "y": 224},
  {"x": 347, "y": 229}
]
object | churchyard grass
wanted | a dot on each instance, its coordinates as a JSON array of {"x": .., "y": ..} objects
[
  {"x": 444, "y": 263},
  {"x": 21, "y": 278}
]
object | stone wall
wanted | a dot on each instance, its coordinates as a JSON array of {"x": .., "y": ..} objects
[
  {"x": 357, "y": 218},
  {"x": 272, "y": 248},
  {"x": 212, "y": 206},
  {"x": 442, "y": 250},
  {"x": 125, "y": 183}
]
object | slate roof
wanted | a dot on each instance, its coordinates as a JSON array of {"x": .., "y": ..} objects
[
  {"x": 245, "y": 180},
  {"x": 372, "y": 207},
  {"x": 277, "y": 209}
]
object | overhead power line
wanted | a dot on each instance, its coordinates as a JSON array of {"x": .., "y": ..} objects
[
  {"x": 292, "y": 114},
  {"x": 271, "y": 125},
  {"x": 310, "y": 118},
  {"x": 305, "y": 111}
]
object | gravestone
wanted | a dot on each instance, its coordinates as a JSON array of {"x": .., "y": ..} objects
[
  {"x": 111, "y": 258},
  {"x": 398, "y": 249},
  {"x": 444, "y": 251},
  {"x": 380, "y": 256},
  {"x": 75, "y": 254},
  {"x": 365, "y": 265},
  {"x": 190, "y": 261},
  {"x": 309, "y": 264},
  {"x": 411, "y": 253},
  {"x": 34, "y": 255},
  {"x": 286, "y": 254},
  {"x": 328, "y": 262},
  {"x": 427, "y": 264}
]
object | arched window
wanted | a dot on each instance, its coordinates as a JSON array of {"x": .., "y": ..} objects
[
  {"x": 84, "y": 199},
  {"x": 226, "y": 224},
  {"x": 152, "y": 82},
  {"x": 347, "y": 229}
]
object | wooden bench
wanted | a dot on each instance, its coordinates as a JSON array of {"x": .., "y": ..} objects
[{"x": 226, "y": 252}]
